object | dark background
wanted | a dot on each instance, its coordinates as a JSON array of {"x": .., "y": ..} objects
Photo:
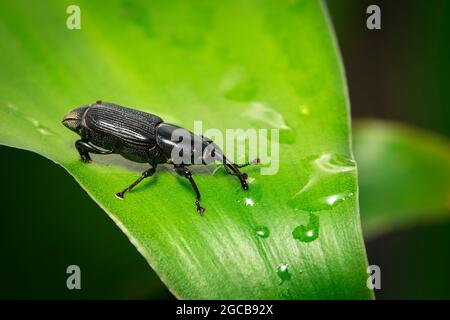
[{"x": 399, "y": 72}]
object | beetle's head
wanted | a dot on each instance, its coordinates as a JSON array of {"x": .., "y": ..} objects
[{"x": 73, "y": 119}]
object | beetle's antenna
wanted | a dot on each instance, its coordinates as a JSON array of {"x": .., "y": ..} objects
[{"x": 254, "y": 161}]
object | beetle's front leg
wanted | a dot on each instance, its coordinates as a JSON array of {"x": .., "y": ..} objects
[
  {"x": 233, "y": 169},
  {"x": 183, "y": 171},
  {"x": 84, "y": 148},
  {"x": 147, "y": 173},
  {"x": 79, "y": 144}
]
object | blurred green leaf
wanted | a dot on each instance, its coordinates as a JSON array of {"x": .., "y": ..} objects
[
  {"x": 234, "y": 64},
  {"x": 404, "y": 175}
]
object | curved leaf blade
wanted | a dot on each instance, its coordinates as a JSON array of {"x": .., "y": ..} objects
[{"x": 218, "y": 63}]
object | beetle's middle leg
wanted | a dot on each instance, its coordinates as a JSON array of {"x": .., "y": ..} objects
[
  {"x": 188, "y": 175},
  {"x": 84, "y": 148},
  {"x": 147, "y": 173}
]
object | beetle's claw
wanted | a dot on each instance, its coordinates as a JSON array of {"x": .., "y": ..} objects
[
  {"x": 200, "y": 209},
  {"x": 86, "y": 158},
  {"x": 244, "y": 184},
  {"x": 119, "y": 195}
]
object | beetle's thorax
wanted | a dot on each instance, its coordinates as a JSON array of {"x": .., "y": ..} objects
[{"x": 182, "y": 147}]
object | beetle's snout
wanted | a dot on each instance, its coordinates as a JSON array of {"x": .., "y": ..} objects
[{"x": 72, "y": 120}]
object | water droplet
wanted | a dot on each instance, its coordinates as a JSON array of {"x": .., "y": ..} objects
[
  {"x": 308, "y": 232},
  {"x": 263, "y": 116},
  {"x": 337, "y": 198},
  {"x": 304, "y": 110},
  {"x": 283, "y": 272},
  {"x": 249, "y": 202},
  {"x": 262, "y": 231},
  {"x": 42, "y": 129},
  {"x": 12, "y": 107},
  {"x": 14, "y": 110},
  {"x": 250, "y": 198},
  {"x": 331, "y": 181}
]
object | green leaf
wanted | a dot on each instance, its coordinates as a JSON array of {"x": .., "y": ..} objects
[
  {"x": 234, "y": 64},
  {"x": 404, "y": 175}
]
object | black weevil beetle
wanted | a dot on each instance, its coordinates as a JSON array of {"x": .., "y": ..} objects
[{"x": 141, "y": 137}]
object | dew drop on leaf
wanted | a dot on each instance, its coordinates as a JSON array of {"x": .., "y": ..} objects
[
  {"x": 308, "y": 232},
  {"x": 42, "y": 129},
  {"x": 283, "y": 272},
  {"x": 304, "y": 110},
  {"x": 263, "y": 116},
  {"x": 331, "y": 182},
  {"x": 249, "y": 202},
  {"x": 262, "y": 231}
]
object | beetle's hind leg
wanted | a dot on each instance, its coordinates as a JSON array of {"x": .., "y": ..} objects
[
  {"x": 147, "y": 173},
  {"x": 183, "y": 171},
  {"x": 84, "y": 148}
]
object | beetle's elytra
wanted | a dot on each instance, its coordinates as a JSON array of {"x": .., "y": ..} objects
[{"x": 142, "y": 137}]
